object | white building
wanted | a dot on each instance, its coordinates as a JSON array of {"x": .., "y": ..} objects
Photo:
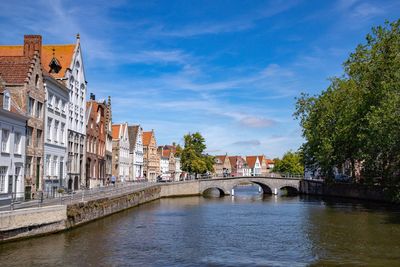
[
  {"x": 164, "y": 166},
  {"x": 254, "y": 164},
  {"x": 55, "y": 137},
  {"x": 12, "y": 150},
  {"x": 66, "y": 64},
  {"x": 121, "y": 147},
  {"x": 178, "y": 170},
  {"x": 136, "y": 152}
]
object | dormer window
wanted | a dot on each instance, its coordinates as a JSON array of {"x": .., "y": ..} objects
[
  {"x": 54, "y": 65},
  {"x": 6, "y": 100}
]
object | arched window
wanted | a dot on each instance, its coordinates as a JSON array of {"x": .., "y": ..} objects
[
  {"x": 37, "y": 81},
  {"x": 6, "y": 100}
]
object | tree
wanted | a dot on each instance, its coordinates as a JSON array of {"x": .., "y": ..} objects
[
  {"x": 354, "y": 125},
  {"x": 193, "y": 159},
  {"x": 291, "y": 163}
]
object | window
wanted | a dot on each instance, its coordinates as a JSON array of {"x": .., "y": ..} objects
[
  {"x": 29, "y": 131},
  {"x": 49, "y": 122},
  {"x": 31, "y": 105},
  {"x": 3, "y": 175},
  {"x": 38, "y": 137},
  {"x": 39, "y": 107},
  {"x": 28, "y": 164},
  {"x": 17, "y": 143},
  {"x": 5, "y": 138},
  {"x": 48, "y": 165},
  {"x": 54, "y": 167},
  {"x": 55, "y": 132},
  {"x": 6, "y": 101},
  {"x": 37, "y": 81},
  {"x": 49, "y": 98},
  {"x": 62, "y": 133}
]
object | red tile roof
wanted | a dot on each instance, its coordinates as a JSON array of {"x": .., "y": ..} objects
[
  {"x": 63, "y": 53},
  {"x": 146, "y": 136},
  {"x": 115, "y": 131},
  {"x": 14, "y": 69},
  {"x": 251, "y": 161}
]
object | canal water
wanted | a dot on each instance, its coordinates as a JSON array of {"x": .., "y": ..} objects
[{"x": 245, "y": 230}]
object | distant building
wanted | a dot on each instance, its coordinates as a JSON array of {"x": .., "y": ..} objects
[
  {"x": 135, "y": 152},
  {"x": 121, "y": 152},
  {"x": 108, "y": 131},
  {"x": 254, "y": 164},
  {"x": 264, "y": 166},
  {"x": 95, "y": 143},
  {"x": 151, "y": 160},
  {"x": 222, "y": 166},
  {"x": 238, "y": 165}
]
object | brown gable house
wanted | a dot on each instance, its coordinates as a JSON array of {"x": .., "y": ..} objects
[
  {"x": 222, "y": 166},
  {"x": 151, "y": 159},
  {"x": 23, "y": 78},
  {"x": 237, "y": 165},
  {"x": 95, "y": 143}
]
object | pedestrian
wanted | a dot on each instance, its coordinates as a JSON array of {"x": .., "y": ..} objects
[{"x": 113, "y": 180}]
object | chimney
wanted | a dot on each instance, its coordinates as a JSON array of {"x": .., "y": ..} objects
[
  {"x": 32, "y": 43},
  {"x": 92, "y": 96}
]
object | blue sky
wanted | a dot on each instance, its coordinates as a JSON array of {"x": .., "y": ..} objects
[{"x": 229, "y": 69}]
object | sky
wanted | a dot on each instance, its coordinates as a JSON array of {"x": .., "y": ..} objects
[{"x": 228, "y": 69}]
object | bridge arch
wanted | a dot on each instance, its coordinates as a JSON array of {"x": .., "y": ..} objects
[
  {"x": 267, "y": 189},
  {"x": 289, "y": 190},
  {"x": 209, "y": 191}
]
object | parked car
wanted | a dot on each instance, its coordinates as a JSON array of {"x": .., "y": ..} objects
[{"x": 342, "y": 178}]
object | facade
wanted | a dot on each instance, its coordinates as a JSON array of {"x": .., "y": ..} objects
[
  {"x": 65, "y": 63},
  {"x": 178, "y": 170},
  {"x": 95, "y": 143},
  {"x": 222, "y": 166},
  {"x": 55, "y": 135},
  {"x": 21, "y": 71},
  {"x": 264, "y": 164},
  {"x": 238, "y": 165},
  {"x": 254, "y": 165},
  {"x": 135, "y": 152},
  {"x": 120, "y": 152},
  {"x": 108, "y": 130},
  {"x": 151, "y": 161},
  {"x": 12, "y": 149},
  {"x": 164, "y": 156}
]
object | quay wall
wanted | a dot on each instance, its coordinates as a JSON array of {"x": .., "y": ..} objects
[
  {"x": 32, "y": 222},
  {"x": 356, "y": 191},
  {"x": 25, "y": 223}
]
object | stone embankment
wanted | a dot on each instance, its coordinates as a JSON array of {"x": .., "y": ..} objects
[
  {"x": 356, "y": 191},
  {"x": 37, "y": 221}
]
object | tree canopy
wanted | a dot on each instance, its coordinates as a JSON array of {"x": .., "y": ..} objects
[
  {"x": 354, "y": 125},
  {"x": 193, "y": 159},
  {"x": 291, "y": 163}
]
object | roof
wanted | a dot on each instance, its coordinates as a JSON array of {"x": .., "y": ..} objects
[
  {"x": 14, "y": 69},
  {"x": 221, "y": 158},
  {"x": 234, "y": 159},
  {"x": 270, "y": 161},
  {"x": 63, "y": 53},
  {"x": 115, "y": 131},
  {"x": 166, "y": 153},
  {"x": 132, "y": 133},
  {"x": 146, "y": 136},
  {"x": 251, "y": 161}
]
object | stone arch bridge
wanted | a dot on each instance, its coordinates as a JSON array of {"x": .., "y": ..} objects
[{"x": 269, "y": 185}]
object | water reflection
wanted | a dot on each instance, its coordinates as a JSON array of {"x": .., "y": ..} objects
[{"x": 248, "y": 229}]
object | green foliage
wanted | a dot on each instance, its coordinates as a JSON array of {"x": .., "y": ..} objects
[
  {"x": 291, "y": 163},
  {"x": 355, "y": 122},
  {"x": 193, "y": 159}
]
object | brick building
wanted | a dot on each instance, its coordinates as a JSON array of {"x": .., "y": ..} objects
[
  {"x": 21, "y": 71},
  {"x": 95, "y": 143}
]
